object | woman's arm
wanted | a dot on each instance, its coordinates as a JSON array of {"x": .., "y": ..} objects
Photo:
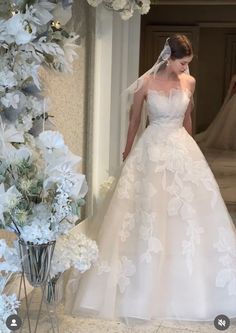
[
  {"x": 187, "y": 123},
  {"x": 134, "y": 119}
]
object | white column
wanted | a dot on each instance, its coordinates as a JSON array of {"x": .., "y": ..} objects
[
  {"x": 102, "y": 96},
  {"x": 116, "y": 66}
]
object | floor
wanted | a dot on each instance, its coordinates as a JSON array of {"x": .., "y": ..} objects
[{"x": 68, "y": 324}]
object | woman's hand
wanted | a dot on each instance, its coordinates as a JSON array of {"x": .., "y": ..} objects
[{"x": 125, "y": 154}]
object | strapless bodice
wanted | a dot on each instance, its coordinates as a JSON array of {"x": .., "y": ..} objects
[{"x": 167, "y": 110}]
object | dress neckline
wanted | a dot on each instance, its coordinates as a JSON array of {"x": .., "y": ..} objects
[{"x": 169, "y": 93}]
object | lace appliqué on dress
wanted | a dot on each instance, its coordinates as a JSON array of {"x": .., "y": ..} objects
[
  {"x": 126, "y": 270},
  {"x": 226, "y": 245}
]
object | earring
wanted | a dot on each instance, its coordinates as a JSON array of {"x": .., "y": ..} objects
[{"x": 167, "y": 64}]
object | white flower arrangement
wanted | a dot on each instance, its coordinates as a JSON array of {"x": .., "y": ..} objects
[
  {"x": 126, "y": 8},
  {"x": 72, "y": 250},
  {"x": 29, "y": 39},
  {"x": 41, "y": 190},
  {"x": 44, "y": 191},
  {"x": 8, "y": 305},
  {"x": 81, "y": 251},
  {"x": 106, "y": 186}
]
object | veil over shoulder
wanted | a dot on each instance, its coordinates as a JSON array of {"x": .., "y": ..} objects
[{"x": 220, "y": 134}]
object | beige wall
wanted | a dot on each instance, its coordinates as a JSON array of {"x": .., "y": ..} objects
[{"x": 66, "y": 92}]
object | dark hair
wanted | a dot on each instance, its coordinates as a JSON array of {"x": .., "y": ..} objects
[{"x": 180, "y": 46}]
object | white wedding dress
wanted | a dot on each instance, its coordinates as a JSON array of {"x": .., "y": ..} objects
[{"x": 167, "y": 242}]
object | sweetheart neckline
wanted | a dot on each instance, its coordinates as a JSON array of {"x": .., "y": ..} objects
[{"x": 163, "y": 93}]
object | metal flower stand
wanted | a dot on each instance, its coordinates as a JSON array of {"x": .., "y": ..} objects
[{"x": 35, "y": 310}]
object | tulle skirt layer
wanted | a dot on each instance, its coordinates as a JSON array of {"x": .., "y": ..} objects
[{"x": 167, "y": 242}]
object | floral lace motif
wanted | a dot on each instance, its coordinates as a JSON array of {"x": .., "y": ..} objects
[
  {"x": 146, "y": 233},
  {"x": 173, "y": 160},
  {"x": 126, "y": 270},
  {"x": 226, "y": 245},
  {"x": 102, "y": 266},
  {"x": 127, "y": 226}
]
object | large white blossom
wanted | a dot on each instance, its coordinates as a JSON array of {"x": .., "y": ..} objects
[
  {"x": 51, "y": 141},
  {"x": 11, "y": 99},
  {"x": 8, "y": 199},
  {"x": 11, "y": 256},
  {"x": 19, "y": 30}
]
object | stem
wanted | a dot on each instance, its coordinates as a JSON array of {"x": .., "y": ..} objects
[{"x": 18, "y": 231}]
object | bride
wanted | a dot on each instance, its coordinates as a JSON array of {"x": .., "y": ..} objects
[
  {"x": 167, "y": 242},
  {"x": 221, "y": 132}
]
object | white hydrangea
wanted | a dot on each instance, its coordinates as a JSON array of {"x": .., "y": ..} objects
[
  {"x": 74, "y": 250},
  {"x": 8, "y": 306},
  {"x": 38, "y": 232}
]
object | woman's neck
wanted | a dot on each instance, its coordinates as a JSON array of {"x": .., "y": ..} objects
[{"x": 168, "y": 75}]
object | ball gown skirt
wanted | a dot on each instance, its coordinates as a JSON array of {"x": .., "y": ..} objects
[{"x": 167, "y": 242}]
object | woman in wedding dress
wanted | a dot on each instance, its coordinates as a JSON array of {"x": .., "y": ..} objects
[
  {"x": 167, "y": 242},
  {"x": 221, "y": 132}
]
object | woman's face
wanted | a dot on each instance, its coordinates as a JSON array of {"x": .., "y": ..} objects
[{"x": 180, "y": 65}]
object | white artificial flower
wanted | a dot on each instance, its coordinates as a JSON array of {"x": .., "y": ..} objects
[
  {"x": 24, "y": 123},
  {"x": 62, "y": 14},
  {"x": 8, "y": 306},
  {"x": 73, "y": 250},
  {"x": 41, "y": 211},
  {"x": 119, "y": 4},
  {"x": 70, "y": 53},
  {"x": 9, "y": 199},
  {"x": 126, "y": 14},
  {"x": 35, "y": 105},
  {"x": 61, "y": 258},
  {"x": 11, "y": 256},
  {"x": 94, "y": 3},
  {"x": 106, "y": 186},
  {"x": 74, "y": 183},
  {"x": 20, "y": 29},
  {"x": 51, "y": 140},
  {"x": 42, "y": 10},
  {"x": 38, "y": 232},
  {"x": 9, "y": 134},
  {"x": 25, "y": 70},
  {"x": 16, "y": 156},
  {"x": 11, "y": 99},
  {"x": 145, "y": 7},
  {"x": 7, "y": 79}
]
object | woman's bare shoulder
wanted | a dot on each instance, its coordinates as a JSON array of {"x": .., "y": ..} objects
[{"x": 189, "y": 81}]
